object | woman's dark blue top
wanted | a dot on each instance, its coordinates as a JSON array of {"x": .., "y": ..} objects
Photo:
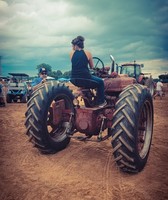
[{"x": 80, "y": 65}]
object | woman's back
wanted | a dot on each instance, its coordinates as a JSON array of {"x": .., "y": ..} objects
[{"x": 80, "y": 65}]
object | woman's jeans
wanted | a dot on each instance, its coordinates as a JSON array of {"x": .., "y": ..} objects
[
  {"x": 100, "y": 89},
  {"x": 95, "y": 82}
]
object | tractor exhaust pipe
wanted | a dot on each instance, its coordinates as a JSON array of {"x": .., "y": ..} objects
[{"x": 113, "y": 63}]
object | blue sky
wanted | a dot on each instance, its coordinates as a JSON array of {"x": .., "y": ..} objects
[{"x": 40, "y": 31}]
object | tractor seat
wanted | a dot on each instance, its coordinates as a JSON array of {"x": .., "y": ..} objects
[{"x": 84, "y": 83}]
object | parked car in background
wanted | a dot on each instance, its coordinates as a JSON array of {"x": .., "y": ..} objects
[{"x": 17, "y": 88}]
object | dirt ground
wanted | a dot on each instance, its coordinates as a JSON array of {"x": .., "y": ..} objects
[{"x": 83, "y": 171}]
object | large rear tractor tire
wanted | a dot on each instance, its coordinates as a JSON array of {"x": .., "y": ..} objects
[
  {"x": 47, "y": 136},
  {"x": 132, "y": 128}
]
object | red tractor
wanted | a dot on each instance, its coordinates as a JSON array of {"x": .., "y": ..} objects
[
  {"x": 135, "y": 70},
  {"x": 55, "y": 116}
]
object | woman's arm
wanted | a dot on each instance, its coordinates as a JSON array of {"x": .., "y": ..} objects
[
  {"x": 90, "y": 59},
  {"x": 71, "y": 54}
]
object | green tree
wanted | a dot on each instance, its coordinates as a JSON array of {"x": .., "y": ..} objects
[
  {"x": 56, "y": 74},
  {"x": 66, "y": 74},
  {"x": 59, "y": 73}
]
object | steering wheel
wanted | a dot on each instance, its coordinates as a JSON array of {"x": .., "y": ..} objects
[{"x": 98, "y": 62}]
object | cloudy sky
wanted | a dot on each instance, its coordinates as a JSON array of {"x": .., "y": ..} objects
[{"x": 40, "y": 31}]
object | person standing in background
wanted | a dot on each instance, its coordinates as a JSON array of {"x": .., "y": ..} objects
[
  {"x": 2, "y": 94},
  {"x": 159, "y": 89},
  {"x": 39, "y": 80}
]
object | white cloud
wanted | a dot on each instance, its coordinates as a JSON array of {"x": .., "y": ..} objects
[
  {"x": 3, "y": 5},
  {"x": 155, "y": 66}
]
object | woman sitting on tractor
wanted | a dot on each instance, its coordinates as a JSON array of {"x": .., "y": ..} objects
[{"x": 80, "y": 59}]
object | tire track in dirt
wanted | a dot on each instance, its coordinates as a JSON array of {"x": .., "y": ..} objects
[
  {"x": 106, "y": 177},
  {"x": 69, "y": 162},
  {"x": 75, "y": 150},
  {"x": 111, "y": 181},
  {"x": 77, "y": 155},
  {"x": 60, "y": 158}
]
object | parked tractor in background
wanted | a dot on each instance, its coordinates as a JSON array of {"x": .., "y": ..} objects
[
  {"x": 55, "y": 115},
  {"x": 135, "y": 70},
  {"x": 17, "y": 88}
]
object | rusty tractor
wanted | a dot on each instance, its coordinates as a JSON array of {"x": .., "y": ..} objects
[{"x": 56, "y": 114}]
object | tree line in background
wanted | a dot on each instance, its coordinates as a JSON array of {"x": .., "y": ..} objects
[{"x": 56, "y": 74}]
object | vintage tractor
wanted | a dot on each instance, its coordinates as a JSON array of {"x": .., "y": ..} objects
[
  {"x": 135, "y": 70},
  {"x": 55, "y": 115}
]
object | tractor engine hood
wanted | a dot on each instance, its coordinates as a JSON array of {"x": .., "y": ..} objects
[{"x": 117, "y": 84}]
